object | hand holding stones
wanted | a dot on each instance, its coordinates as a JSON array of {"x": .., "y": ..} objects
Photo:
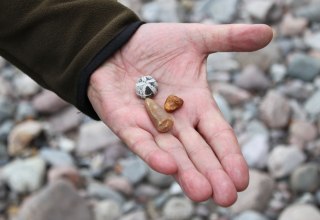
[{"x": 146, "y": 87}]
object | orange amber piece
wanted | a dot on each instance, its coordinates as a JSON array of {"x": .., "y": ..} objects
[
  {"x": 173, "y": 103},
  {"x": 159, "y": 117}
]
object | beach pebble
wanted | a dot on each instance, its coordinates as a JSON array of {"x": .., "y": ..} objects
[
  {"x": 300, "y": 211},
  {"x": 58, "y": 200},
  {"x": 146, "y": 87},
  {"x": 69, "y": 173},
  {"x": 25, "y": 175},
  {"x": 22, "y": 135},
  {"x": 306, "y": 178},
  {"x": 107, "y": 210},
  {"x": 284, "y": 159},
  {"x": 56, "y": 157},
  {"x": 253, "y": 79},
  {"x": 303, "y": 67},
  {"x": 47, "y": 102},
  {"x": 94, "y": 136},
  {"x": 178, "y": 209},
  {"x": 120, "y": 184},
  {"x": 257, "y": 195},
  {"x": 134, "y": 169},
  {"x": 275, "y": 110}
]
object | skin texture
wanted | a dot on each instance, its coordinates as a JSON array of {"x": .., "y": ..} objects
[{"x": 201, "y": 151}]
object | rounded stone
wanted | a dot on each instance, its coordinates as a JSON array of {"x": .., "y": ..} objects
[
  {"x": 107, "y": 209},
  {"x": 178, "y": 208},
  {"x": 146, "y": 86},
  {"x": 306, "y": 178},
  {"x": 300, "y": 211}
]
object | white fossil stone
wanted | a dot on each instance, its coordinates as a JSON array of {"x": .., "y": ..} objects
[{"x": 146, "y": 86}]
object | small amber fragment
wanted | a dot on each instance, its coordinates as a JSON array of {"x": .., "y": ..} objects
[
  {"x": 173, "y": 103},
  {"x": 159, "y": 117}
]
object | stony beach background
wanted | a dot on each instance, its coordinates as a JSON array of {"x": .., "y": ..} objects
[{"x": 56, "y": 163}]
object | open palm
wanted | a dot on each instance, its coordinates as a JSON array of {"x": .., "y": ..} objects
[{"x": 201, "y": 151}]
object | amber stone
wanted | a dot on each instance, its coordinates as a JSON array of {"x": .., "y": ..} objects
[
  {"x": 162, "y": 121},
  {"x": 173, "y": 103}
]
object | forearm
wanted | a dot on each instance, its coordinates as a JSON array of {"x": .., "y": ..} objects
[{"x": 60, "y": 43}]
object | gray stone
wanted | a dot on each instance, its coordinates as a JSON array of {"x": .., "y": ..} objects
[
  {"x": 22, "y": 135},
  {"x": 107, "y": 210},
  {"x": 66, "y": 120},
  {"x": 25, "y": 111},
  {"x": 278, "y": 72},
  {"x": 5, "y": 86},
  {"x": 298, "y": 113},
  {"x": 175, "y": 189},
  {"x": 134, "y": 169},
  {"x": 302, "y": 132},
  {"x": 262, "y": 58},
  {"x": 299, "y": 212},
  {"x": 58, "y": 200},
  {"x": 134, "y": 5},
  {"x": 306, "y": 178},
  {"x": 2, "y": 62},
  {"x": 318, "y": 197},
  {"x": 259, "y": 9},
  {"x": 224, "y": 107},
  {"x": 250, "y": 215},
  {"x": 256, "y": 127},
  {"x": 296, "y": 89},
  {"x": 312, "y": 105},
  {"x": 24, "y": 86},
  {"x": 113, "y": 153},
  {"x": 284, "y": 159},
  {"x": 5, "y": 128},
  {"x": 146, "y": 192},
  {"x": 313, "y": 40},
  {"x": 310, "y": 11},
  {"x": 291, "y": 26},
  {"x": 120, "y": 184},
  {"x": 69, "y": 173},
  {"x": 56, "y": 157},
  {"x": 24, "y": 176},
  {"x": 233, "y": 94},
  {"x": 252, "y": 78},
  {"x": 221, "y": 11},
  {"x": 137, "y": 215},
  {"x": 303, "y": 67},
  {"x": 48, "y": 102},
  {"x": 257, "y": 195},
  {"x": 178, "y": 209},
  {"x": 221, "y": 62},
  {"x": 159, "y": 179},
  {"x": 255, "y": 151},
  {"x": 4, "y": 157},
  {"x": 100, "y": 191},
  {"x": 66, "y": 144},
  {"x": 275, "y": 110},
  {"x": 7, "y": 109},
  {"x": 294, "y": 4},
  {"x": 160, "y": 11},
  {"x": 94, "y": 136}
]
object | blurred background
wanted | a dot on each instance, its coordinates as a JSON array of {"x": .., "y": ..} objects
[{"x": 53, "y": 156}]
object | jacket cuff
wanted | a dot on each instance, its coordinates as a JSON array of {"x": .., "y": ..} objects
[{"x": 83, "y": 103}]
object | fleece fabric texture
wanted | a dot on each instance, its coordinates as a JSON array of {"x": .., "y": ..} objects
[{"x": 59, "y": 43}]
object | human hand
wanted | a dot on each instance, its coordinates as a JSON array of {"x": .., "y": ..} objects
[{"x": 201, "y": 151}]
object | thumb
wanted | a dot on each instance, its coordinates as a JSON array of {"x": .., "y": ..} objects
[{"x": 228, "y": 38}]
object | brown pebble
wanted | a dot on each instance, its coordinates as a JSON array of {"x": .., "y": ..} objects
[
  {"x": 159, "y": 117},
  {"x": 173, "y": 103}
]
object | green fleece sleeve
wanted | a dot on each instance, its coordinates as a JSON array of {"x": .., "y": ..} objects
[{"x": 59, "y": 43}]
